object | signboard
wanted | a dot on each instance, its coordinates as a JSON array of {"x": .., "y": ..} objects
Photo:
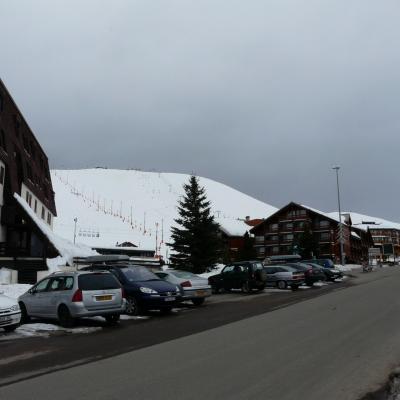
[
  {"x": 388, "y": 249},
  {"x": 374, "y": 251}
]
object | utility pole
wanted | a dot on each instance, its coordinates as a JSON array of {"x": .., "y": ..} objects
[
  {"x": 341, "y": 235},
  {"x": 75, "y": 220}
]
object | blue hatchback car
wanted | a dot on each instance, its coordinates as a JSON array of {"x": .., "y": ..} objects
[{"x": 143, "y": 289}]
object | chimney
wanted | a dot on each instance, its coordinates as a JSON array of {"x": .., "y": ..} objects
[{"x": 247, "y": 218}]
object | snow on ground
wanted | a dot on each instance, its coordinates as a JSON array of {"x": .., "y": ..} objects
[
  {"x": 347, "y": 267},
  {"x": 14, "y": 290},
  {"x": 45, "y": 330},
  {"x": 129, "y": 205}
]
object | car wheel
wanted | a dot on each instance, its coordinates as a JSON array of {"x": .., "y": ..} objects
[
  {"x": 24, "y": 314},
  {"x": 10, "y": 328},
  {"x": 246, "y": 287},
  {"x": 65, "y": 318},
  {"x": 112, "y": 319},
  {"x": 132, "y": 306},
  {"x": 215, "y": 289},
  {"x": 281, "y": 285},
  {"x": 198, "y": 302}
]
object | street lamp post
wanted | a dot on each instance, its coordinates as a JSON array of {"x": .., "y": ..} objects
[
  {"x": 336, "y": 168},
  {"x": 75, "y": 220}
]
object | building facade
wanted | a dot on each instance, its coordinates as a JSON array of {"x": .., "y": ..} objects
[
  {"x": 24, "y": 170},
  {"x": 281, "y": 234}
]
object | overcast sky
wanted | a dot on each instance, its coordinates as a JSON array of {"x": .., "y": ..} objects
[{"x": 262, "y": 95}]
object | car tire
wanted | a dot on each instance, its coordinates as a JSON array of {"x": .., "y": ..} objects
[
  {"x": 198, "y": 302},
  {"x": 112, "y": 319},
  {"x": 65, "y": 318},
  {"x": 281, "y": 285},
  {"x": 24, "y": 313},
  {"x": 246, "y": 287},
  {"x": 215, "y": 289},
  {"x": 10, "y": 328},
  {"x": 132, "y": 306}
]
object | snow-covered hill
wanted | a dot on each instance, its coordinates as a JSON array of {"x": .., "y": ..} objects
[{"x": 129, "y": 205}]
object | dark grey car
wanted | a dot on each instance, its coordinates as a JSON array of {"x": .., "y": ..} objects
[{"x": 283, "y": 276}]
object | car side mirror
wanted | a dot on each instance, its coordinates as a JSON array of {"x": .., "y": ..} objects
[{"x": 31, "y": 291}]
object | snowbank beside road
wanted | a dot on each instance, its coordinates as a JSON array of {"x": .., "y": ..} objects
[{"x": 14, "y": 290}]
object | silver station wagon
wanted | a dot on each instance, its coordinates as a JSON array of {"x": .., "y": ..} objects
[{"x": 69, "y": 295}]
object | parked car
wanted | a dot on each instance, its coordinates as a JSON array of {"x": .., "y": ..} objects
[
  {"x": 283, "y": 276},
  {"x": 193, "y": 287},
  {"x": 330, "y": 273},
  {"x": 311, "y": 275},
  {"x": 323, "y": 262},
  {"x": 144, "y": 290},
  {"x": 245, "y": 275},
  {"x": 67, "y": 296},
  {"x": 10, "y": 313}
]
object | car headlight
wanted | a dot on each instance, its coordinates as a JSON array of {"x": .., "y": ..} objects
[
  {"x": 15, "y": 308},
  {"x": 147, "y": 290}
]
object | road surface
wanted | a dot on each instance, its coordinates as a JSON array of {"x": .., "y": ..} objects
[{"x": 337, "y": 346}]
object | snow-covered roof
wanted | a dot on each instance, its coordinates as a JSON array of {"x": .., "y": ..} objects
[
  {"x": 364, "y": 222},
  {"x": 355, "y": 235},
  {"x": 66, "y": 248},
  {"x": 233, "y": 227},
  {"x": 129, "y": 205},
  {"x": 334, "y": 216}
]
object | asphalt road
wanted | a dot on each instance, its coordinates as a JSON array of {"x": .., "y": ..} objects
[{"x": 336, "y": 346}]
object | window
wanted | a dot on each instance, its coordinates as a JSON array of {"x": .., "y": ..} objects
[
  {"x": 274, "y": 227},
  {"x": 288, "y": 226},
  {"x": 228, "y": 268},
  {"x": 42, "y": 285},
  {"x": 324, "y": 224},
  {"x": 2, "y": 174},
  {"x": 48, "y": 217},
  {"x": 3, "y": 140},
  {"x": 35, "y": 208},
  {"x": 275, "y": 250},
  {"x": 43, "y": 212},
  {"x": 325, "y": 236},
  {"x": 260, "y": 251},
  {"x": 288, "y": 236},
  {"x": 259, "y": 239},
  {"x": 1, "y": 103}
]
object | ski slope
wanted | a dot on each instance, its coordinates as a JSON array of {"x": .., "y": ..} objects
[{"x": 115, "y": 206}]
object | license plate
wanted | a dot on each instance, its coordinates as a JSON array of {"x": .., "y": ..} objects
[
  {"x": 200, "y": 292},
  {"x": 103, "y": 298},
  {"x": 169, "y": 299},
  {"x": 4, "y": 319}
]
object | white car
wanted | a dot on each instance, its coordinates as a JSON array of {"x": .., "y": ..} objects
[{"x": 10, "y": 313}]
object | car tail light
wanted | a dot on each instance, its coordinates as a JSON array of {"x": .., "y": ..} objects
[
  {"x": 77, "y": 296},
  {"x": 186, "y": 284},
  {"x": 123, "y": 293}
]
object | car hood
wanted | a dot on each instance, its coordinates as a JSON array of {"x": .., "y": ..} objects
[
  {"x": 7, "y": 302},
  {"x": 158, "y": 285}
]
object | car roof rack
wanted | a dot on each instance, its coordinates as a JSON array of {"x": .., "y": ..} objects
[{"x": 105, "y": 259}]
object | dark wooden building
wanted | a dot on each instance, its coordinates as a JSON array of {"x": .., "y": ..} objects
[
  {"x": 280, "y": 234},
  {"x": 24, "y": 170}
]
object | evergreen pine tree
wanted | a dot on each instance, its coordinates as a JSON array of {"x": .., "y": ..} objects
[
  {"x": 195, "y": 241},
  {"x": 307, "y": 244},
  {"x": 247, "y": 252}
]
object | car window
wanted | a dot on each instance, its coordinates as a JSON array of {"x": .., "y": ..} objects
[
  {"x": 42, "y": 285},
  {"x": 183, "y": 274},
  {"x": 138, "y": 274},
  {"x": 69, "y": 283},
  {"x": 97, "y": 281},
  {"x": 257, "y": 267},
  {"x": 161, "y": 275},
  {"x": 56, "y": 284},
  {"x": 228, "y": 268}
]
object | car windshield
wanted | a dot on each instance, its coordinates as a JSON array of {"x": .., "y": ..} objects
[
  {"x": 183, "y": 274},
  {"x": 97, "y": 281},
  {"x": 133, "y": 274}
]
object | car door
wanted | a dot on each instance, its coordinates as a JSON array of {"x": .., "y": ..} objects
[
  {"x": 271, "y": 275},
  {"x": 227, "y": 277},
  {"x": 37, "y": 294},
  {"x": 54, "y": 295}
]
